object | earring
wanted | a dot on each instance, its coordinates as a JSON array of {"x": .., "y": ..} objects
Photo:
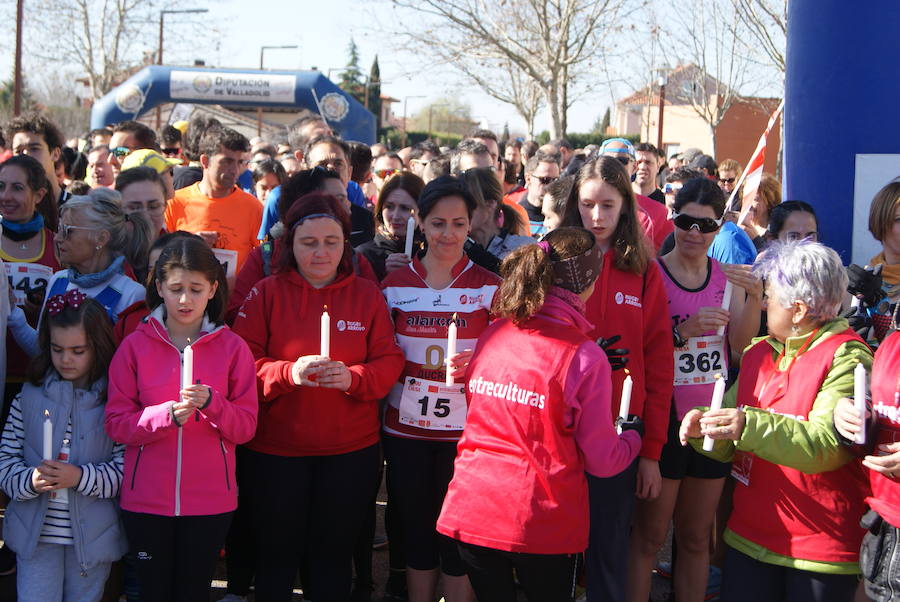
[{"x": 794, "y": 329}]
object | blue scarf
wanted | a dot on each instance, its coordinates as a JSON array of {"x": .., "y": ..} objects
[
  {"x": 20, "y": 232},
  {"x": 91, "y": 280}
]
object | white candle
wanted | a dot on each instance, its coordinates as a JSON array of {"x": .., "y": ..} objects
[
  {"x": 48, "y": 436},
  {"x": 410, "y": 235},
  {"x": 451, "y": 349},
  {"x": 187, "y": 367},
  {"x": 859, "y": 400},
  {"x": 726, "y": 303},
  {"x": 625, "y": 402},
  {"x": 715, "y": 404},
  {"x": 325, "y": 334}
]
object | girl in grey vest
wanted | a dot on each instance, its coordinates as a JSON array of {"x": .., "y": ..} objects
[{"x": 58, "y": 466}]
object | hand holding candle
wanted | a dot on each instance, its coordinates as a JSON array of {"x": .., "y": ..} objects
[
  {"x": 410, "y": 235},
  {"x": 325, "y": 334},
  {"x": 726, "y": 303},
  {"x": 451, "y": 349},
  {"x": 625, "y": 402},
  {"x": 859, "y": 400},
  {"x": 715, "y": 404}
]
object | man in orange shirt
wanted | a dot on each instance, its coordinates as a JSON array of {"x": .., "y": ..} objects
[{"x": 214, "y": 208}]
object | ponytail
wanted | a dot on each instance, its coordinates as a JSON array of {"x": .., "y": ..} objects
[
  {"x": 527, "y": 277},
  {"x": 568, "y": 258}
]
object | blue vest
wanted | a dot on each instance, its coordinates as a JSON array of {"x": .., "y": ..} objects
[{"x": 96, "y": 526}]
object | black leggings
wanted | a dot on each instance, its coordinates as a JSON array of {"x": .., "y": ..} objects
[
  {"x": 749, "y": 580},
  {"x": 418, "y": 475},
  {"x": 308, "y": 509},
  {"x": 544, "y": 577},
  {"x": 175, "y": 556}
]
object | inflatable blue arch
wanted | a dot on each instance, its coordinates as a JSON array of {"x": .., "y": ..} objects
[{"x": 155, "y": 85}]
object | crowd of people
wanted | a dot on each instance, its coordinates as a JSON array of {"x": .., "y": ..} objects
[{"x": 551, "y": 356}]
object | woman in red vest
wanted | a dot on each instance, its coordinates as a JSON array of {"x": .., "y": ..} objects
[
  {"x": 537, "y": 419},
  {"x": 879, "y": 558},
  {"x": 794, "y": 532}
]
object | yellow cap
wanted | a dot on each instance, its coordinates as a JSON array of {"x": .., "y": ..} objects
[{"x": 146, "y": 157}]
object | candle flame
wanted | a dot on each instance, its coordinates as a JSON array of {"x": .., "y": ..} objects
[
  {"x": 47, "y": 413},
  {"x": 325, "y": 309},
  {"x": 627, "y": 373},
  {"x": 455, "y": 317},
  {"x": 189, "y": 340},
  {"x": 717, "y": 376}
]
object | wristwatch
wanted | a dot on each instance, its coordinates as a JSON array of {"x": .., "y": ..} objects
[{"x": 677, "y": 339}]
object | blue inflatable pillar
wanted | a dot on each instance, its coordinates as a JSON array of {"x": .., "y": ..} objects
[{"x": 841, "y": 94}]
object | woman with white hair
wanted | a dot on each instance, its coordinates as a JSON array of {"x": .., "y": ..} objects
[
  {"x": 794, "y": 532},
  {"x": 94, "y": 241}
]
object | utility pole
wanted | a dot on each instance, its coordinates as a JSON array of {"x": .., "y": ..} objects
[{"x": 17, "y": 76}]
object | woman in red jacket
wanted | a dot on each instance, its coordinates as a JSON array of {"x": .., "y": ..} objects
[
  {"x": 630, "y": 315},
  {"x": 538, "y": 418},
  {"x": 179, "y": 491},
  {"x": 313, "y": 462},
  {"x": 879, "y": 556}
]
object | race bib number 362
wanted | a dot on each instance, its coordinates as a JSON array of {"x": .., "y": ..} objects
[{"x": 698, "y": 362}]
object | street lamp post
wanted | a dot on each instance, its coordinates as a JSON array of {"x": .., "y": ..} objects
[
  {"x": 17, "y": 75},
  {"x": 262, "y": 52},
  {"x": 431, "y": 110},
  {"x": 406, "y": 98},
  {"x": 159, "y": 54},
  {"x": 662, "y": 108}
]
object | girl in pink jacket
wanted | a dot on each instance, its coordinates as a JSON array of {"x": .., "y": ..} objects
[{"x": 179, "y": 491}]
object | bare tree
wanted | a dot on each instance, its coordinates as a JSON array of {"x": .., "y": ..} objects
[
  {"x": 103, "y": 38},
  {"x": 509, "y": 85},
  {"x": 709, "y": 40},
  {"x": 766, "y": 22},
  {"x": 551, "y": 43}
]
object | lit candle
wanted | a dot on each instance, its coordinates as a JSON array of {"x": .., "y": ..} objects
[
  {"x": 187, "y": 366},
  {"x": 325, "y": 334},
  {"x": 48, "y": 436},
  {"x": 625, "y": 402},
  {"x": 451, "y": 349},
  {"x": 410, "y": 235},
  {"x": 715, "y": 404},
  {"x": 726, "y": 303},
  {"x": 859, "y": 400}
]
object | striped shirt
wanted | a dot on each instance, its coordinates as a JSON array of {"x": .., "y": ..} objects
[
  {"x": 99, "y": 480},
  {"x": 417, "y": 406}
]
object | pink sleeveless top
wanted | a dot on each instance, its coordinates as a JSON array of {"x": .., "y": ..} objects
[{"x": 697, "y": 363}]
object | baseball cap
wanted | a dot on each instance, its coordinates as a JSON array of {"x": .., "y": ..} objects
[
  {"x": 145, "y": 157},
  {"x": 628, "y": 150},
  {"x": 181, "y": 126}
]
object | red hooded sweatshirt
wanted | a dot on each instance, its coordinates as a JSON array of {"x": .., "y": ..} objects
[
  {"x": 635, "y": 307},
  {"x": 280, "y": 320}
]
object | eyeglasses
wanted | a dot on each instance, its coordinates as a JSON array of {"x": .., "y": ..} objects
[
  {"x": 727, "y": 180},
  {"x": 545, "y": 180},
  {"x": 62, "y": 232},
  {"x": 170, "y": 152},
  {"x": 813, "y": 236},
  {"x": 672, "y": 187},
  {"x": 386, "y": 173},
  {"x": 120, "y": 151},
  {"x": 705, "y": 225}
]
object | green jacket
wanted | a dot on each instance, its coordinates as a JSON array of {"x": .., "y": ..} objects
[{"x": 810, "y": 446}]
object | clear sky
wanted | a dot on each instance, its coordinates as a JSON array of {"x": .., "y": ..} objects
[{"x": 322, "y": 30}]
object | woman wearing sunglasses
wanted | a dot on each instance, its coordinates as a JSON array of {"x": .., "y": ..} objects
[
  {"x": 691, "y": 483},
  {"x": 98, "y": 242},
  {"x": 628, "y": 311}
]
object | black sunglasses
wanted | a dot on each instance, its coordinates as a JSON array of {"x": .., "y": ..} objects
[
  {"x": 545, "y": 180},
  {"x": 705, "y": 225},
  {"x": 171, "y": 151}
]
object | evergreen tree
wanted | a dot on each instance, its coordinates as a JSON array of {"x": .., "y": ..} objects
[
  {"x": 351, "y": 80},
  {"x": 601, "y": 124},
  {"x": 375, "y": 91}
]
